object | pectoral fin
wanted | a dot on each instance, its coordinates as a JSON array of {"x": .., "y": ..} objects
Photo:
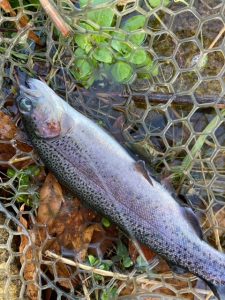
[
  {"x": 192, "y": 220},
  {"x": 177, "y": 269},
  {"x": 218, "y": 290},
  {"x": 141, "y": 168}
]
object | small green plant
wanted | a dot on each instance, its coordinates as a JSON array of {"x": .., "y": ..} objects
[
  {"x": 157, "y": 3},
  {"x": 109, "y": 294},
  {"x": 122, "y": 255},
  {"x": 97, "y": 263},
  {"x": 116, "y": 54},
  {"x": 23, "y": 180},
  {"x": 105, "y": 222}
]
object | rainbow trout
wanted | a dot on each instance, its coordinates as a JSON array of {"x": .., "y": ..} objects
[{"x": 92, "y": 165}]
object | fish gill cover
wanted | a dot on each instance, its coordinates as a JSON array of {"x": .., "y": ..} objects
[{"x": 150, "y": 72}]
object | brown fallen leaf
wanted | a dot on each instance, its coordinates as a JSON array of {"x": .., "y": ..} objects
[
  {"x": 67, "y": 222},
  {"x": 28, "y": 258},
  {"x": 51, "y": 199},
  {"x": 72, "y": 228},
  {"x": 7, "y": 127},
  {"x": 81, "y": 242},
  {"x": 9, "y": 134}
]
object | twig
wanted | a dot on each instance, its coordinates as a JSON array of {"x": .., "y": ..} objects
[
  {"x": 16, "y": 160},
  {"x": 52, "y": 12},
  {"x": 217, "y": 38},
  {"x": 116, "y": 275},
  {"x": 139, "y": 279},
  {"x": 86, "y": 267},
  {"x": 159, "y": 98}
]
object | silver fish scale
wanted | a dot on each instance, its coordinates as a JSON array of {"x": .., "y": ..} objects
[{"x": 161, "y": 232}]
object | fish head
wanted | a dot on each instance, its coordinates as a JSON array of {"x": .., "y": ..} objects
[{"x": 41, "y": 109}]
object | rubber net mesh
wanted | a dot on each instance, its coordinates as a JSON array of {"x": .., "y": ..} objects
[{"x": 151, "y": 73}]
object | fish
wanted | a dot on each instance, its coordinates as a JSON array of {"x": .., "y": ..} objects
[{"x": 90, "y": 163}]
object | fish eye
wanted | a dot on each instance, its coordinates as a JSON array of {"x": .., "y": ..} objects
[{"x": 25, "y": 104}]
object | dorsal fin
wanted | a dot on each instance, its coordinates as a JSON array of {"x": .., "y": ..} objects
[{"x": 141, "y": 168}]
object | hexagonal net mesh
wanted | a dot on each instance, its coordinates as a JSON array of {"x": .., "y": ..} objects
[{"x": 152, "y": 73}]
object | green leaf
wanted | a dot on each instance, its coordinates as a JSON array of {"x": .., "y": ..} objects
[
  {"x": 109, "y": 294},
  {"x": 33, "y": 170},
  {"x": 102, "y": 17},
  {"x": 82, "y": 68},
  {"x": 103, "y": 55},
  {"x": 122, "y": 72},
  {"x": 119, "y": 45},
  {"x": 149, "y": 69},
  {"x": 89, "y": 81},
  {"x": 84, "y": 3},
  {"x": 86, "y": 26},
  {"x": 24, "y": 181},
  {"x": 156, "y": 3},
  {"x": 104, "y": 266},
  {"x": 139, "y": 57},
  {"x": 121, "y": 250},
  {"x": 10, "y": 172},
  {"x": 137, "y": 38},
  {"x": 93, "y": 260},
  {"x": 141, "y": 263},
  {"x": 80, "y": 53},
  {"x": 154, "y": 70},
  {"x": 83, "y": 41},
  {"x": 105, "y": 222},
  {"x": 127, "y": 262},
  {"x": 134, "y": 23}
]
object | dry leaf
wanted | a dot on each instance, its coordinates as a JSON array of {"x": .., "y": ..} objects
[
  {"x": 8, "y": 132},
  {"x": 72, "y": 229},
  {"x": 81, "y": 241},
  {"x": 7, "y": 127},
  {"x": 28, "y": 258},
  {"x": 51, "y": 198}
]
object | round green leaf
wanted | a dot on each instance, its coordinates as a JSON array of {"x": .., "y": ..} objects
[
  {"x": 122, "y": 72},
  {"x": 127, "y": 262},
  {"x": 139, "y": 57},
  {"x": 82, "y": 68},
  {"x": 102, "y": 17},
  {"x": 11, "y": 172},
  {"x": 83, "y": 41},
  {"x": 154, "y": 70},
  {"x": 119, "y": 44},
  {"x": 156, "y": 3},
  {"x": 103, "y": 55},
  {"x": 134, "y": 23},
  {"x": 105, "y": 222},
  {"x": 80, "y": 53}
]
